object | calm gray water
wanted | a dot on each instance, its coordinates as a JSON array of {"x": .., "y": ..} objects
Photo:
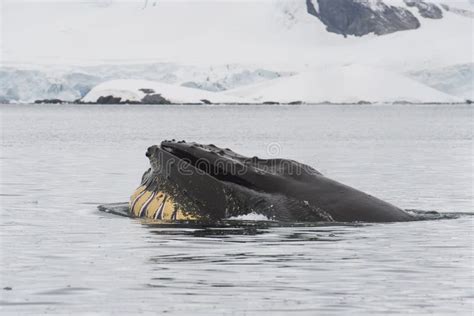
[{"x": 59, "y": 255}]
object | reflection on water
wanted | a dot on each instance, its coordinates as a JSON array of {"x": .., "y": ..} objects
[
  {"x": 59, "y": 255},
  {"x": 227, "y": 229}
]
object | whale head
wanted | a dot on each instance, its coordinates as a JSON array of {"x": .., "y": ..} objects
[{"x": 215, "y": 183}]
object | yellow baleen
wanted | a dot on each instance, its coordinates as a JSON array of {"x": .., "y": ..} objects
[{"x": 155, "y": 205}]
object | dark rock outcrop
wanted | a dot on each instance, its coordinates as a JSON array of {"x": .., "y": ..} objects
[
  {"x": 147, "y": 91},
  {"x": 349, "y": 17},
  {"x": 110, "y": 99},
  {"x": 426, "y": 10},
  {"x": 155, "y": 98},
  {"x": 311, "y": 9},
  {"x": 49, "y": 101}
]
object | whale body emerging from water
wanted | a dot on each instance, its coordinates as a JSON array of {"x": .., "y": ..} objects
[{"x": 190, "y": 181}]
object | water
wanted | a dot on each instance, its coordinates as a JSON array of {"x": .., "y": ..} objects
[{"x": 60, "y": 255}]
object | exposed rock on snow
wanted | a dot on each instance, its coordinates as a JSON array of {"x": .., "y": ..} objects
[
  {"x": 459, "y": 11},
  {"x": 361, "y": 17},
  {"x": 135, "y": 91},
  {"x": 109, "y": 99},
  {"x": 49, "y": 101},
  {"x": 154, "y": 98},
  {"x": 426, "y": 10}
]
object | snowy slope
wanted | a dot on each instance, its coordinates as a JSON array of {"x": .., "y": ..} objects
[
  {"x": 349, "y": 84},
  {"x": 135, "y": 91},
  {"x": 263, "y": 32}
]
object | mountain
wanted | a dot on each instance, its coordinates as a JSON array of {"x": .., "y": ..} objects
[
  {"x": 221, "y": 46},
  {"x": 362, "y": 17}
]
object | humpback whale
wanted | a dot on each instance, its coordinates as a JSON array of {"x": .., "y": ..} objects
[{"x": 190, "y": 181}]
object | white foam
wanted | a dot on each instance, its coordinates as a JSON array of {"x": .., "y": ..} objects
[{"x": 250, "y": 217}]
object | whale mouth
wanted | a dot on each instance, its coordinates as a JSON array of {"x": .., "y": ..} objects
[{"x": 220, "y": 164}]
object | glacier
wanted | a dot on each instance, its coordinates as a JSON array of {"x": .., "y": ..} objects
[{"x": 30, "y": 83}]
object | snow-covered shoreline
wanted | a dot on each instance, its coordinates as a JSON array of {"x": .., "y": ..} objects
[
  {"x": 348, "y": 84},
  {"x": 360, "y": 103}
]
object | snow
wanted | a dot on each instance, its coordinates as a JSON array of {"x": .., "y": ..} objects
[
  {"x": 194, "y": 42},
  {"x": 186, "y": 32},
  {"x": 130, "y": 90},
  {"x": 349, "y": 84},
  {"x": 373, "y": 4}
]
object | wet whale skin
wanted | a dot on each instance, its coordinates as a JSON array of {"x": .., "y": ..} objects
[{"x": 191, "y": 181}]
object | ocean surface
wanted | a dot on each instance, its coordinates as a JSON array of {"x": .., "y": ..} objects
[{"x": 60, "y": 255}]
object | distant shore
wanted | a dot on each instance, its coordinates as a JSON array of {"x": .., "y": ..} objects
[{"x": 206, "y": 102}]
